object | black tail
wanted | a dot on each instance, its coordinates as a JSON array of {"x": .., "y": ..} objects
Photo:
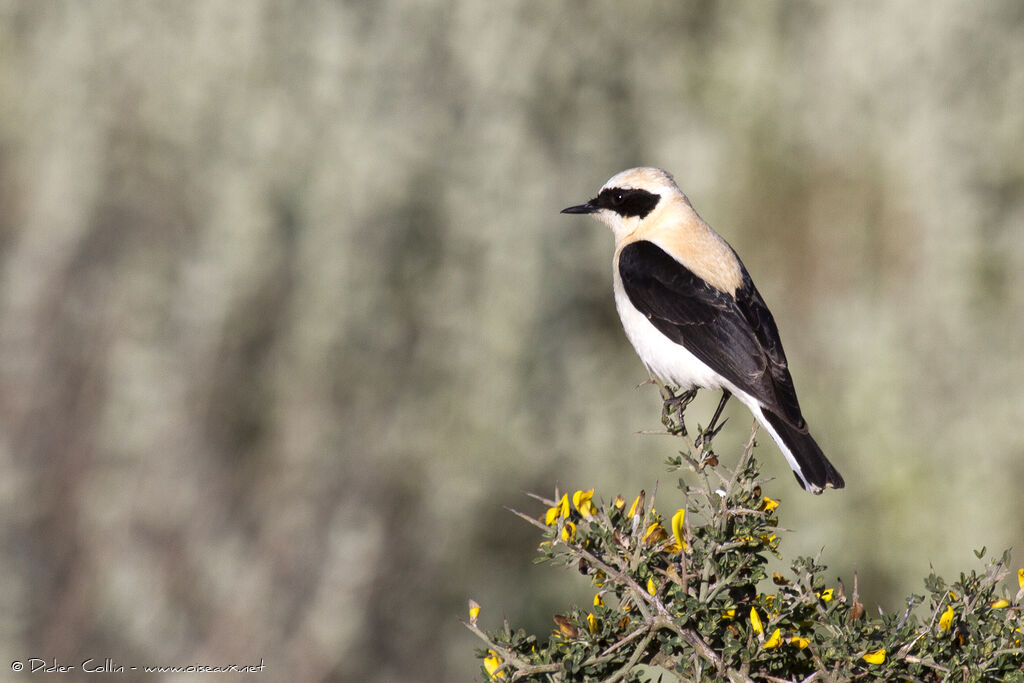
[{"x": 815, "y": 472}]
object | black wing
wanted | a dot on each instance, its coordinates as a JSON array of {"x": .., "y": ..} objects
[{"x": 735, "y": 337}]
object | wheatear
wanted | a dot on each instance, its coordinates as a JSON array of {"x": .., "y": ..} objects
[{"x": 694, "y": 316}]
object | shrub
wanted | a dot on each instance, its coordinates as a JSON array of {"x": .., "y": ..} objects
[{"x": 687, "y": 596}]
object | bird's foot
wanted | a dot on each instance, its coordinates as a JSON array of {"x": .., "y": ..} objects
[
  {"x": 703, "y": 440},
  {"x": 672, "y": 409}
]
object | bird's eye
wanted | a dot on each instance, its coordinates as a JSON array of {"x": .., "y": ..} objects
[{"x": 627, "y": 202}]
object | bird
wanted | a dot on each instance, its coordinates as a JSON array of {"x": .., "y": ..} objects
[{"x": 694, "y": 316}]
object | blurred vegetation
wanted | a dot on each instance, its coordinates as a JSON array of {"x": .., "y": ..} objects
[{"x": 288, "y": 313}]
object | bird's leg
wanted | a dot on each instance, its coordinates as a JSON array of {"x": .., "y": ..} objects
[
  {"x": 673, "y": 407},
  {"x": 709, "y": 433}
]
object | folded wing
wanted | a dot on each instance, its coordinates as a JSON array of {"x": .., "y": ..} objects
[{"x": 734, "y": 336}]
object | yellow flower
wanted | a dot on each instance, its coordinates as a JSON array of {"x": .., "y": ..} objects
[
  {"x": 799, "y": 642},
  {"x": 561, "y": 509},
  {"x": 1020, "y": 578},
  {"x": 491, "y": 665},
  {"x": 876, "y": 657},
  {"x": 774, "y": 641},
  {"x": 729, "y": 614},
  {"x": 566, "y": 628},
  {"x": 755, "y": 621},
  {"x": 651, "y": 587},
  {"x": 637, "y": 506},
  {"x": 568, "y": 531},
  {"x": 474, "y": 611},
  {"x": 583, "y": 502},
  {"x": 619, "y": 502},
  {"x": 827, "y": 594},
  {"x": 768, "y": 504},
  {"x": 655, "y": 534},
  {"x": 591, "y": 623},
  {"x": 946, "y": 620},
  {"x": 1000, "y": 603},
  {"x": 598, "y": 600},
  {"x": 677, "y": 527}
]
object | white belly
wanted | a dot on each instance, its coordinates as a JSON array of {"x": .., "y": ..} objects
[{"x": 664, "y": 359}]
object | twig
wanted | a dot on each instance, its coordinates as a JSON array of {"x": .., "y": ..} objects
[
  {"x": 507, "y": 656},
  {"x": 625, "y": 578},
  {"x": 632, "y": 636},
  {"x": 632, "y": 661},
  {"x": 924, "y": 662},
  {"x": 536, "y": 522},
  {"x": 542, "y": 499}
]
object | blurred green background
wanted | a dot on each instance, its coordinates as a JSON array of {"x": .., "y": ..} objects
[{"x": 288, "y": 313}]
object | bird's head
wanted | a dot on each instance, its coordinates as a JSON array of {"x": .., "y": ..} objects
[{"x": 631, "y": 197}]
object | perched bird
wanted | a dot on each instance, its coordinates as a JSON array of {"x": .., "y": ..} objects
[{"x": 693, "y": 314}]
